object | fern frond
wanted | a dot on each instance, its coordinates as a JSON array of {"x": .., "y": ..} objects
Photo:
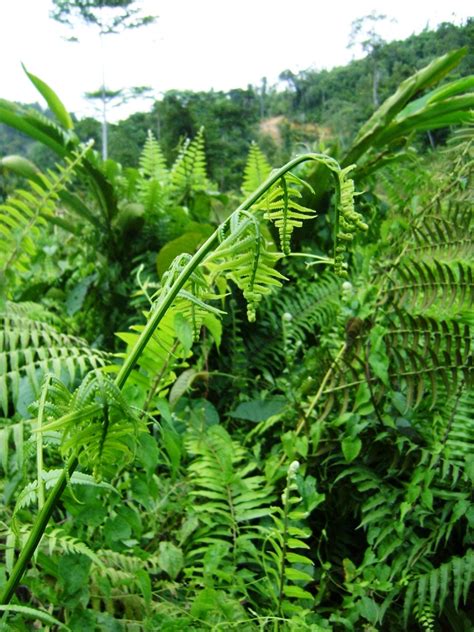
[
  {"x": 418, "y": 285},
  {"x": 257, "y": 169},
  {"x": 243, "y": 257},
  {"x": 189, "y": 171},
  {"x": 228, "y": 495},
  {"x": 431, "y": 589},
  {"x": 423, "y": 351},
  {"x": 29, "y": 348},
  {"x": 154, "y": 182},
  {"x": 22, "y": 215},
  {"x": 29, "y": 494},
  {"x": 444, "y": 237},
  {"x": 152, "y": 161},
  {"x": 280, "y": 207}
]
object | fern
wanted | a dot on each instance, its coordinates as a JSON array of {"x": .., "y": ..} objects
[
  {"x": 288, "y": 571},
  {"x": 419, "y": 285},
  {"x": 431, "y": 589},
  {"x": 280, "y": 206},
  {"x": 95, "y": 422},
  {"x": 189, "y": 171},
  {"x": 154, "y": 180},
  {"x": 257, "y": 170},
  {"x": 25, "y": 211},
  {"x": 29, "y": 348},
  {"x": 291, "y": 318},
  {"x": 152, "y": 162},
  {"x": 242, "y": 256},
  {"x": 229, "y": 496}
]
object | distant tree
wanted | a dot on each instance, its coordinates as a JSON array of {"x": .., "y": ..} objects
[
  {"x": 364, "y": 33},
  {"x": 110, "y": 17}
]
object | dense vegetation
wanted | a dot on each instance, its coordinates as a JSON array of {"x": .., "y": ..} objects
[{"x": 250, "y": 409}]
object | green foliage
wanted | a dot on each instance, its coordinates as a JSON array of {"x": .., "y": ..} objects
[
  {"x": 21, "y": 213},
  {"x": 30, "y": 346},
  {"x": 309, "y": 470}
]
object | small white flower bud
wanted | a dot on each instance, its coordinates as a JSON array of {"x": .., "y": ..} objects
[{"x": 293, "y": 468}]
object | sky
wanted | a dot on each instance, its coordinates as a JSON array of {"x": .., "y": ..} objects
[{"x": 195, "y": 44}]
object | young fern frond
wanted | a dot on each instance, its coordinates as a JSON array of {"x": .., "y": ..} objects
[
  {"x": 242, "y": 257},
  {"x": 23, "y": 213},
  {"x": 280, "y": 207},
  {"x": 152, "y": 163},
  {"x": 348, "y": 220},
  {"x": 154, "y": 176},
  {"x": 171, "y": 343},
  {"x": 188, "y": 173},
  {"x": 288, "y": 569},
  {"x": 97, "y": 423},
  {"x": 257, "y": 169}
]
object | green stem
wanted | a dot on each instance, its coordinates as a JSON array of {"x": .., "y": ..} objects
[
  {"x": 39, "y": 444},
  {"x": 37, "y": 531},
  {"x": 44, "y": 515}
]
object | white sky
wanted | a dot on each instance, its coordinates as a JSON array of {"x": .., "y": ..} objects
[{"x": 195, "y": 44}]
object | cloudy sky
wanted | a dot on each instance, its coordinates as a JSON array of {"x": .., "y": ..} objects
[{"x": 196, "y": 44}]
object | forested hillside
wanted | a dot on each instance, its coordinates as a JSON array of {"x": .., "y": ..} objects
[
  {"x": 306, "y": 108},
  {"x": 236, "y": 377}
]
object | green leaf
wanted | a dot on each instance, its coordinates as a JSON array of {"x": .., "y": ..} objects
[
  {"x": 55, "y": 104},
  {"x": 369, "y": 609},
  {"x": 184, "y": 331},
  {"x": 144, "y": 582},
  {"x": 297, "y": 593},
  {"x": 170, "y": 559},
  {"x": 188, "y": 242},
  {"x": 30, "y": 127},
  {"x": 351, "y": 448},
  {"x": 76, "y": 296},
  {"x": 379, "y": 121},
  {"x": 258, "y": 410},
  {"x": 73, "y": 572},
  {"x": 19, "y": 165},
  {"x": 33, "y": 613},
  {"x": 295, "y": 558},
  {"x": 296, "y": 575}
]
